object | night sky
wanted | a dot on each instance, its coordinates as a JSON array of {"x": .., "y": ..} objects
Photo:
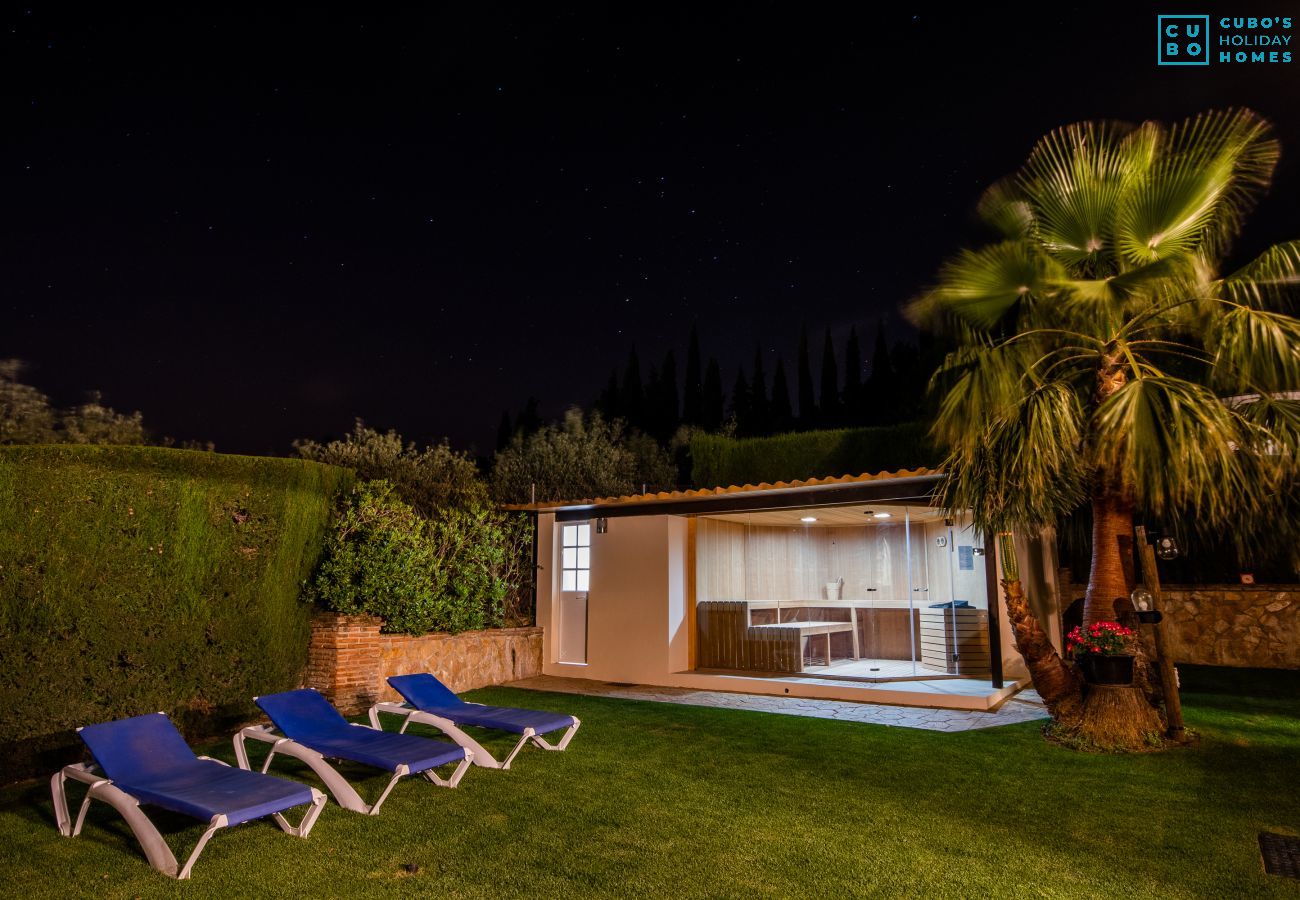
[{"x": 256, "y": 225}]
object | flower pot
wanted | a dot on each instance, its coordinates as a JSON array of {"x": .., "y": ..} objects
[{"x": 1098, "y": 669}]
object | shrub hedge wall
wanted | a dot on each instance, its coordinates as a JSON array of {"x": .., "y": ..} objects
[
  {"x": 135, "y": 579},
  {"x": 718, "y": 461}
]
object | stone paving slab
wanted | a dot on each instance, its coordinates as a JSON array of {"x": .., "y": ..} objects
[{"x": 1023, "y": 707}]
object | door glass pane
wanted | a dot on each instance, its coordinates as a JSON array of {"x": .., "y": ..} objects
[
  {"x": 584, "y": 558},
  {"x": 584, "y": 535},
  {"x": 570, "y": 557},
  {"x": 583, "y": 579},
  {"x": 569, "y": 580}
]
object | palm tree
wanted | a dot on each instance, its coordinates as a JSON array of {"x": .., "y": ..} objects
[{"x": 1104, "y": 359}]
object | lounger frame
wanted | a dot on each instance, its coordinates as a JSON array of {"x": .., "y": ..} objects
[
  {"x": 344, "y": 793},
  {"x": 151, "y": 841},
  {"x": 477, "y": 751}
]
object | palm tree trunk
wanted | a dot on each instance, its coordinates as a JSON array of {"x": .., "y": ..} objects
[
  {"x": 1112, "y": 539},
  {"x": 1055, "y": 682}
]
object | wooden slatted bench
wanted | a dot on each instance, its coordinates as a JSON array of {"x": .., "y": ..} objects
[{"x": 812, "y": 629}]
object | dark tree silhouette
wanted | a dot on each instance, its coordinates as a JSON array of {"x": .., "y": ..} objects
[
  {"x": 780, "y": 415},
  {"x": 851, "y": 405},
  {"x": 740, "y": 408},
  {"x": 880, "y": 382},
  {"x": 505, "y": 431},
  {"x": 758, "y": 403},
  {"x": 693, "y": 385},
  {"x": 714, "y": 401},
  {"x": 830, "y": 385},
  {"x": 807, "y": 402},
  {"x": 632, "y": 396}
]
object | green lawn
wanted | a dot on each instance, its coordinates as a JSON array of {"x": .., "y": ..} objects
[{"x": 660, "y": 800}]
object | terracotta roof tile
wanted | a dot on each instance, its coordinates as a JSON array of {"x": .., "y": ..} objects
[{"x": 700, "y": 493}]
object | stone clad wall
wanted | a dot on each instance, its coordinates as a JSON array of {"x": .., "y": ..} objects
[
  {"x": 463, "y": 661},
  {"x": 1230, "y": 624},
  {"x": 349, "y": 659},
  {"x": 1234, "y": 625}
]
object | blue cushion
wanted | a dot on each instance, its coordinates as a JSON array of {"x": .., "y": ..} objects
[
  {"x": 426, "y": 693},
  {"x": 146, "y": 757},
  {"x": 308, "y": 718}
]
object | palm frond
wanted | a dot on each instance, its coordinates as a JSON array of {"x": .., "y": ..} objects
[
  {"x": 1270, "y": 280},
  {"x": 1256, "y": 350},
  {"x": 1072, "y": 181},
  {"x": 1177, "y": 447},
  {"x": 1205, "y": 177},
  {"x": 981, "y": 287},
  {"x": 1005, "y": 209},
  {"x": 1020, "y": 469}
]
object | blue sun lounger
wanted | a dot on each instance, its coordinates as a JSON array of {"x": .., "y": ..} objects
[
  {"x": 431, "y": 702},
  {"x": 313, "y": 731},
  {"x": 145, "y": 762}
]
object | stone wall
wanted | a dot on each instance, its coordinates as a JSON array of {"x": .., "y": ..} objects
[
  {"x": 1230, "y": 624},
  {"x": 349, "y": 661},
  {"x": 463, "y": 661},
  {"x": 1234, "y": 625}
]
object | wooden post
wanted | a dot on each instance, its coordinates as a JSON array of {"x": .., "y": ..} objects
[{"x": 1168, "y": 677}]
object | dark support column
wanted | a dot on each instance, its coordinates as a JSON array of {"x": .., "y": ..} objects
[{"x": 994, "y": 599}]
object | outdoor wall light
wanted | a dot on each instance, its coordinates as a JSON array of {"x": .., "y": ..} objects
[
  {"x": 808, "y": 519},
  {"x": 1167, "y": 548},
  {"x": 1141, "y": 598},
  {"x": 602, "y": 526}
]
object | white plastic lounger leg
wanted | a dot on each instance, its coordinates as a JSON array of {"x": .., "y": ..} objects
[
  {"x": 318, "y": 800},
  {"x": 344, "y": 794},
  {"x": 461, "y": 768},
  {"x": 401, "y": 770},
  {"x": 218, "y": 821},
  {"x": 476, "y": 751},
  {"x": 563, "y": 742},
  {"x": 155, "y": 849}
]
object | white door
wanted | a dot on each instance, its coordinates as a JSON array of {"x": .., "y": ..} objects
[{"x": 575, "y": 581}]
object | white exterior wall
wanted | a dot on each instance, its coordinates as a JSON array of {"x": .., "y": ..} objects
[{"x": 637, "y": 629}]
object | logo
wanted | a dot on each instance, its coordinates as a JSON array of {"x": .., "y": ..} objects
[
  {"x": 1183, "y": 41},
  {"x": 1186, "y": 40}
]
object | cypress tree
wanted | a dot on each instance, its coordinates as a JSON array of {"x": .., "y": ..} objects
[
  {"x": 530, "y": 420},
  {"x": 807, "y": 402},
  {"x": 740, "y": 409},
  {"x": 880, "y": 382},
  {"x": 780, "y": 415},
  {"x": 830, "y": 392},
  {"x": 693, "y": 387},
  {"x": 608, "y": 403},
  {"x": 714, "y": 407},
  {"x": 852, "y": 393},
  {"x": 632, "y": 396},
  {"x": 505, "y": 431},
  {"x": 758, "y": 405},
  {"x": 667, "y": 413}
]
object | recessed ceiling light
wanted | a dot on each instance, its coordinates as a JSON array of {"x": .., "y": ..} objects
[
  {"x": 880, "y": 515},
  {"x": 808, "y": 519}
]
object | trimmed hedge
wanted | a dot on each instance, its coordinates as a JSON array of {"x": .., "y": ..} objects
[
  {"x": 718, "y": 461},
  {"x": 135, "y": 579}
]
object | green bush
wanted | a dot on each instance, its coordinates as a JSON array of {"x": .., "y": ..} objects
[
  {"x": 719, "y": 461},
  {"x": 451, "y": 572},
  {"x": 135, "y": 579}
]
